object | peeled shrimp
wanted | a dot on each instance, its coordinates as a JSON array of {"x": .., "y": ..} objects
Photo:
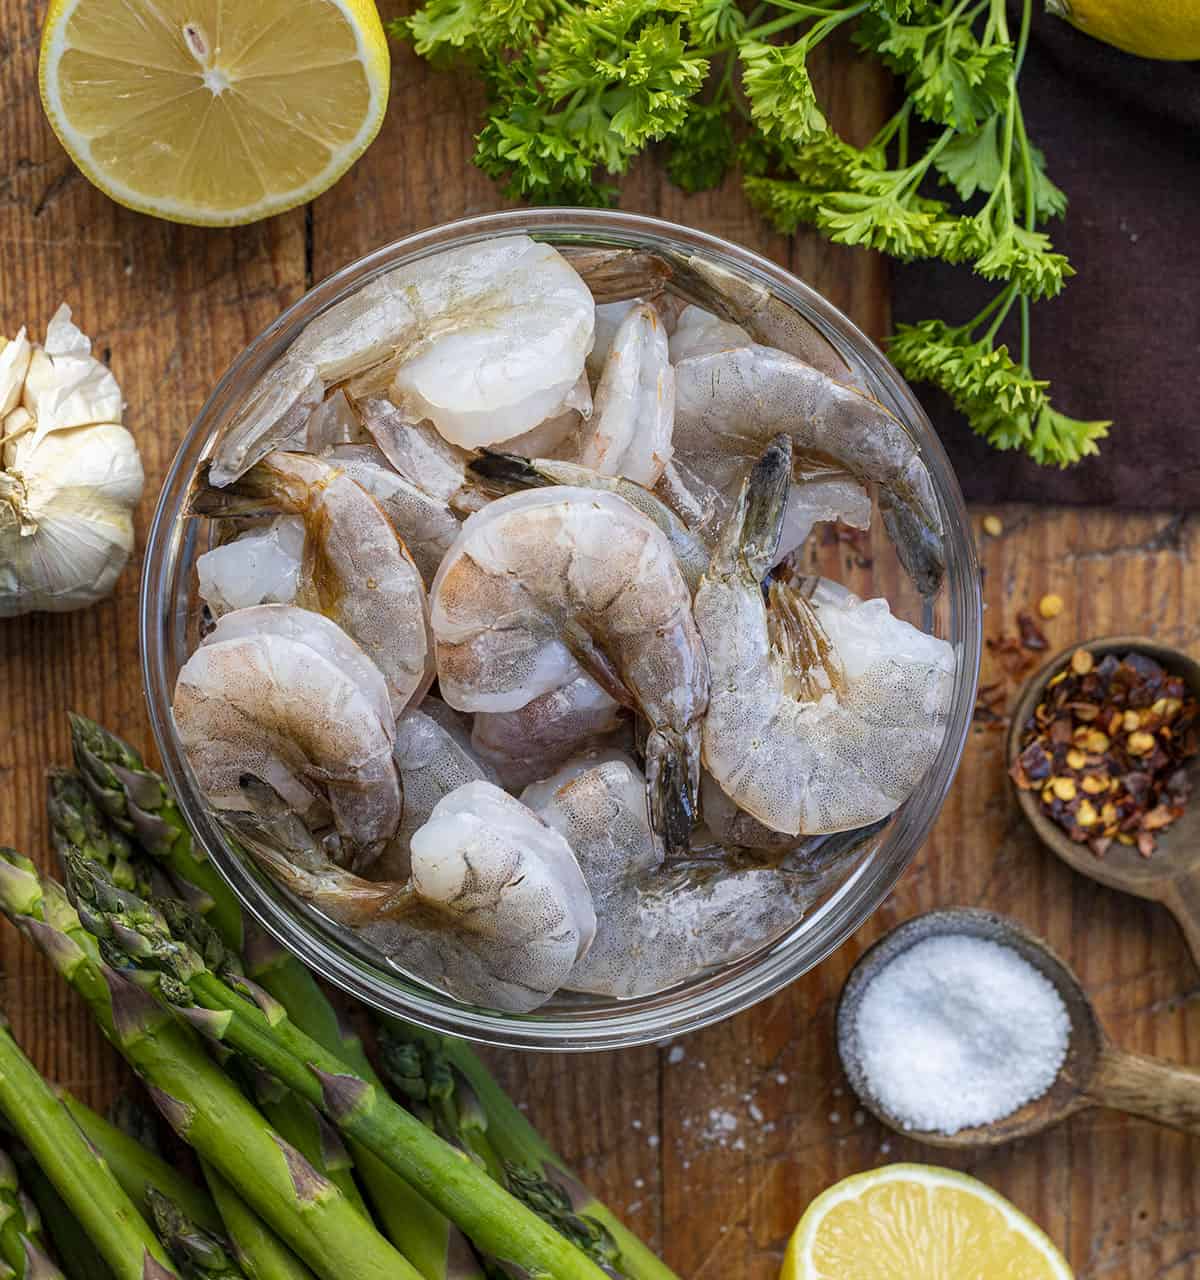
[
  {"x": 730, "y": 403},
  {"x": 434, "y": 756},
  {"x": 356, "y": 570},
  {"x": 825, "y": 711},
  {"x": 527, "y": 744},
  {"x": 507, "y": 469},
  {"x": 260, "y": 566},
  {"x": 657, "y": 926},
  {"x": 286, "y": 706},
  {"x": 545, "y": 585},
  {"x": 496, "y": 911},
  {"x": 629, "y": 433},
  {"x": 426, "y": 525}
]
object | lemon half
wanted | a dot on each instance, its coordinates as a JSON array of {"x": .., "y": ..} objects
[
  {"x": 214, "y": 112},
  {"x": 906, "y": 1221}
]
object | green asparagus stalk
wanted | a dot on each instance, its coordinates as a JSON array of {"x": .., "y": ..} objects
[
  {"x": 262, "y": 1255},
  {"x": 19, "y": 1219},
  {"x": 139, "y": 801},
  {"x": 259, "y": 1251},
  {"x": 77, "y": 823},
  {"x": 202, "y": 1104},
  {"x": 89, "y": 1188},
  {"x": 498, "y": 1224},
  {"x": 513, "y": 1138},
  {"x": 140, "y": 1170},
  {"x": 76, "y": 820},
  {"x": 74, "y": 1250},
  {"x": 199, "y": 1254}
]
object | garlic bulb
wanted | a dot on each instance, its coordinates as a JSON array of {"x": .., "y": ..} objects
[{"x": 70, "y": 474}]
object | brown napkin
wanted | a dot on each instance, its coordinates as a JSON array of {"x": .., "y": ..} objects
[{"x": 1122, "y": 138}]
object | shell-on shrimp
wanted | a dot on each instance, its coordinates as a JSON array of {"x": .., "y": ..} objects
[
  {"x": 629, "y": 433},
  {"x": 434, "y": 756},
  {"x": 259, "y": 566},
  {"x": 525, "y": 745},
  {"x": 486, "y": 340},
  {"x": 544, "y": 585},
  {"x": 496, "y": 911},
  {"x": 273, "y": 704},
  {"x": 426, "y": 525},
  {"x": 356, "y": 569},
  {"x": 512, "y": 472},
  {"x": 657, "y": 926},
  {"x": 825, "y": 711},
  {"x": 417, "y": 453},
  {"x": 700, "y": 333},
  {"x": 616, "y": 275},
  {"x": 729, "y": 404}
]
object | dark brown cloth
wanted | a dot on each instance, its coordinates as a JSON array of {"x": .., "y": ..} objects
[{"x": 1122, "y": 138}]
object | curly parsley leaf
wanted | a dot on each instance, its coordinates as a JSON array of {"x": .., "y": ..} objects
[
  {"x": 782, "y": 100},
  {"x": 701, "y": 151}
]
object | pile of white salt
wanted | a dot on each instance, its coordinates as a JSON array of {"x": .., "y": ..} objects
[{"x": 959, "y": 1031}]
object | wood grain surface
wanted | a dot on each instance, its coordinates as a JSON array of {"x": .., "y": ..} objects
[{"x": 711, "y": 1146}]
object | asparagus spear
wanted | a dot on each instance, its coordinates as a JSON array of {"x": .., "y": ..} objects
[
  {"x": 77, "y": 823},
  {"x": 263, "y": 1256},
  {"x": 511, "y": 1136},
  {"x": 197, "y": 1253},
  {"x": 497, "y": 1223},
  {"x": 74, "y": 1250},
  {"x": 19, "y": 1220},
  {"x": 259, "y": 1251},
  {"x": 199, "y": 1100},
  {"x": 89, "y": 1188},
  {"x": 139, "y": 801}
]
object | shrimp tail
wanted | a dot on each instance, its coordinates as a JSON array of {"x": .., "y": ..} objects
[
  {"x": 507, "y": 470},
  {"x": 260, "y": 490},
  {"x": 755, "y": 525},
  {"x": 918, "y": 544},
  {"x": 672, "y": 784},
  {"x": 800, "y": 642}
]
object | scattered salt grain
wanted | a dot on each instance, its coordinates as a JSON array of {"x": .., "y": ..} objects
[
  {"x": 959, "y": 1031},
  {"x": 652, "y": 1140},
  {"x": 781, "y": 1078},
  {"x": 755, "y": 1113},
  {"x": 677, "y": 1054},
  {"x": 834, "y": 1117},
  {"x": 637, "y": 1124}
]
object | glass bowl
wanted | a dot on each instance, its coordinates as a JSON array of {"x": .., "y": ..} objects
[{"x": 847, "y": 892}]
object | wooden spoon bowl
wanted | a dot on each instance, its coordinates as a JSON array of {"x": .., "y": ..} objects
[
  {"x": 1094, "y": 1074},
  {"x": 1171, "y": 875}
]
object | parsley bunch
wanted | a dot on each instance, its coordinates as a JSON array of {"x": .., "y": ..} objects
[{"x": 578, "y": 88}]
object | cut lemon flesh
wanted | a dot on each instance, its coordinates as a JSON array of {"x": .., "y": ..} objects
[
  {"x": 918, "y": 1222},
  {"x": 214, "y": 112}
]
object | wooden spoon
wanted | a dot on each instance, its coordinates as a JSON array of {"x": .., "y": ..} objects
[
  {"x": 1095, "y": 1074},
  {"x": 1171, "y": 875}
]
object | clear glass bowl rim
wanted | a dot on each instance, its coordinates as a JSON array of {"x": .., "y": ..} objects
[{"x": 731, "y": 989}]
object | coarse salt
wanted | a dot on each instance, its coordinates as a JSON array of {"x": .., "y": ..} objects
[{"x": 959, "y": 1031}]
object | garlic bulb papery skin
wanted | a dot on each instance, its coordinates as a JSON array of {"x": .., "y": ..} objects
[{"x": 70, "y": 474}]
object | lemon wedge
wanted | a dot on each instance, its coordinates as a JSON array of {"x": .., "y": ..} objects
[
  {"x": 906, "y": 1221},
  {"x": 214, "y": 112}
]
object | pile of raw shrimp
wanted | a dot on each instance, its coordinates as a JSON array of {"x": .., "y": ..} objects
[{"x": 563, "y": 490}]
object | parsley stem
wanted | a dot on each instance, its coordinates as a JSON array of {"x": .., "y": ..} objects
[
  {"x": 888, "y": 132},
  {"x": 1023, "y": 37},
  {"x": 1010, "y": 296},
  {"x": 1025, "y": 341},
  {"x": 974, "y": 324}
]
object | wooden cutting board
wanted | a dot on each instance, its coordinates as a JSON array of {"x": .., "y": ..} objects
[{"x": 714, "y": 1145}]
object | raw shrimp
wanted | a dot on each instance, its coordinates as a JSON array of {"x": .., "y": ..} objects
[
  {"x": 609, "y": 316},
  {"x": 418, "y": 454},
  {"x": 527, "y": 744},
  {"x": 507, "y": 469},
  {"x": 496, "y": 911},
  {"x": 629, "y": 433},
  {"x": 259, "y": 566},
  {"x": 550, "y": 438},
  {"x": 356, "y": 570},
  {"x": 544, "y": 584},
  {"x": 486, "y": 340},
  {"x": 825, "y": 711},
  {"x": 433, "y": 754},
  {"x": 616, "y": 275},
  {"x": 824, "y": 493},
  {"x": 426, "y": 525},
  {"x": 729, "y": 404},
  {"x": 272, "y": 704},
  {"x": 657, "y": 926},
  {"x": 700, "y": 333}
]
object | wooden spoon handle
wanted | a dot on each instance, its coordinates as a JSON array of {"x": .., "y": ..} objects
[
  {"x": 1182, "y": 900},
  {"x": 1147, "y": 1087}
]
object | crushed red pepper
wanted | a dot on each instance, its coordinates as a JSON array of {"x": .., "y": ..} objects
[{"x": 1105, "y": 749}]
